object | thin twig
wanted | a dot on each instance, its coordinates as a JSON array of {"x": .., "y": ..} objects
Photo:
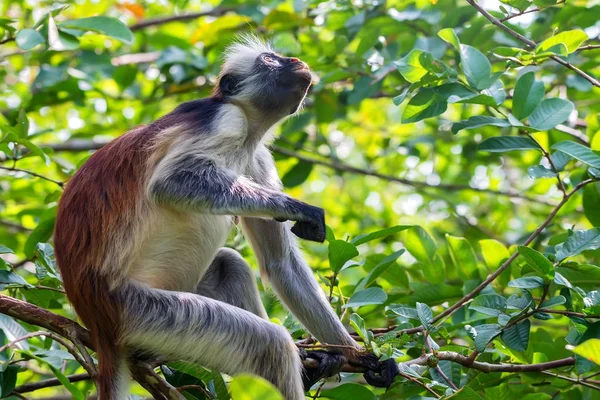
[
  {"x": 536, "y": 9},
  {"x": 12, "y": 169},
  {"x": 548, "y": 157},
  {"x": 215, "y": 12},
  {"x": 418, "y": 382},
  {"x": 33, "y": 386},
  {"x": 531, "y": 43},
  {"x": 589, "y": 47},
  {"x": 572, "y": 380}
]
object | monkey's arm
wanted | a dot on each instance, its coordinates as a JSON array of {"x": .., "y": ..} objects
[{"x": 197, "y": 184}]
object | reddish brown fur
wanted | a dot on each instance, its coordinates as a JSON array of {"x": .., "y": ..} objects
[{"x": 97, "y": 204}]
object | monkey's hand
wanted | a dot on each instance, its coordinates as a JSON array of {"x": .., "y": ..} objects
[
  {"x": 330, "y": 364},
  {"x": 379, "y": 373},
  {"x": 311, "y": 227}
]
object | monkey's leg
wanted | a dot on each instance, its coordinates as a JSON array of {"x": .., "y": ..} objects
[
  {"x": 229, "y": 278},
  {"x": 199, "y": 329}
]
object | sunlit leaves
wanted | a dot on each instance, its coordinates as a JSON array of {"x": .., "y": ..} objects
[
  {"x": 591, "y": 200},
  {"x": 367, "y": 237},
  {"x": 570, "y": 39},
  {"x": 426, "y": 103},
  {"x": 590, "y": 349},
  {"x": 413, "y": 65},
  {"x": 463, "y": 257},
  {"x": 251, "y": 387},
  {"x": 349, "y": 391}
]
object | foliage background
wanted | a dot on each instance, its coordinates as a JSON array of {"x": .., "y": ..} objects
[{"x": 378, "y": 146}]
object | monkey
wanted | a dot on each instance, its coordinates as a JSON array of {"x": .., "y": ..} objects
[{"x": 141, "y": 229}]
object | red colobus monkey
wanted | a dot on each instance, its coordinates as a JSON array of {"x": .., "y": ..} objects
[{"x": 141, "y": 226}]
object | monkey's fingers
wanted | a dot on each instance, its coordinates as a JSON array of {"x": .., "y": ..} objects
[
  {"x": 308, "y": 230},
  {"x": 330, "y": 364}
]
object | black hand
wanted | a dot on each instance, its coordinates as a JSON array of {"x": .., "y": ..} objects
[
  {"x": 329, "y": 364},
  {"x": 384, "y": 375},
  {"x": 312, "y": 227}
]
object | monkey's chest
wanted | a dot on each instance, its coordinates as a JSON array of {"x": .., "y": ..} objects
[{"x": 179, "y": 249}]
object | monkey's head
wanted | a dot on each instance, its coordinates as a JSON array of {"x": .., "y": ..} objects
[{"x": 254, "y": 75}]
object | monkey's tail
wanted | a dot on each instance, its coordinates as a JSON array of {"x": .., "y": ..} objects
[
  {"x": 113, "y": 371},
  {"x": 100, "y": 309}
]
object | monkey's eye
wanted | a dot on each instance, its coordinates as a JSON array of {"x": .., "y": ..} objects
[{"x": 270, "y": 60}]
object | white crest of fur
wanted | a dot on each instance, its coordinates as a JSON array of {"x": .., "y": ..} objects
[{"x": 240, "y": 56}]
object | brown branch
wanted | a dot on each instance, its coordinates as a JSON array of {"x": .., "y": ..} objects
[
  {"x": 530, "y": 43},
  {"x": 589, "y": 47},
  {"x": 11, "y": 169},
  {"x": 71, "y": 330},
  {"x": 491, "y": 277},
  {"x": 215, "y": 12},
  {"x": 417, "y": 184},
  {"x": 536, "y": 9},
  {"x": 33, "y": 386}
]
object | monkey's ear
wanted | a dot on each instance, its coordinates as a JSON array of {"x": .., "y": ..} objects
[{"x": 229, "y": 85}]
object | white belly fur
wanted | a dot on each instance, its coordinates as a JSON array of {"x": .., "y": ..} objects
[{"x": 179, "y": 249}]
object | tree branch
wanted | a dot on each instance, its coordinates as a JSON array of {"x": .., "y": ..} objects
[
  {"x": 536, "y": 9},
  {"x": 491, "y": 277},
  {"x": 531, "y": 43},
  {"x": 215, "y": 12},
  {"x": 61, "y": 184},
  {"x": 33, "y": 386}
]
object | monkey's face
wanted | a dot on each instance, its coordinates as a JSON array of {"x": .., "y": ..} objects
[{"x": 276, "y": 85}]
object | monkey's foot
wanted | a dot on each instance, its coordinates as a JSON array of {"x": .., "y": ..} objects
[{"x": 330, "y": 364}]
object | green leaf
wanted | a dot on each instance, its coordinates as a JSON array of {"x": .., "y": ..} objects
[
  {"x": 13, "y": 330},
  {"x": 10, "y": 278},
  {"x": 425, "y": 104},
  {"x": 406, "y": 312},
  {"x": 517, "y": 336},
  {"x": 425, "y": 315},
  {"x": 340, "y": 252},
  {"x": 494, "y": 254},
  {"x": 5, "y": 250},
  {"x": 106, "y": 25},
  {"x": 297, "y": 174},
  {"x": 27, "y": 39},
  {"x": 251, "y": 387},
  {"x": 422, "y": 247},
  {"x": 463, "y": 257},
  {"x": 449, "y": 36},
  {"x": 590, "y": 350},
  {"x": 476, "y": 67},
  {"x": 527, "y": 95},
  {"x": 527, "y": 282},
  {"x": 571, "y": 39},
  {"x": 553, "y": 302},
  {"x": 590, "y": 201},
  {"x": 579, "y": 152},
  {"x": 500, "y": 144},
  {"x": 576, "y": 243},
  {"x": 489, "y": 304},
  {"x": 367, "y": 297},
  {"x": 466, "y": 393},
  {"x": 347, "y": 391},
  {"x": 537, "y": 261},
  {"x": 382, "y": 267},
  {"x": 539, "y": 171},
  {"x": 411, "y": 66},
  {"x": 479, "y": 121},
  {"x": 367, "y": 237},
  {"x": 562, "y": 281},
  {"x": 549, "y": 113},
  {"x": 485, "y": 334}
]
